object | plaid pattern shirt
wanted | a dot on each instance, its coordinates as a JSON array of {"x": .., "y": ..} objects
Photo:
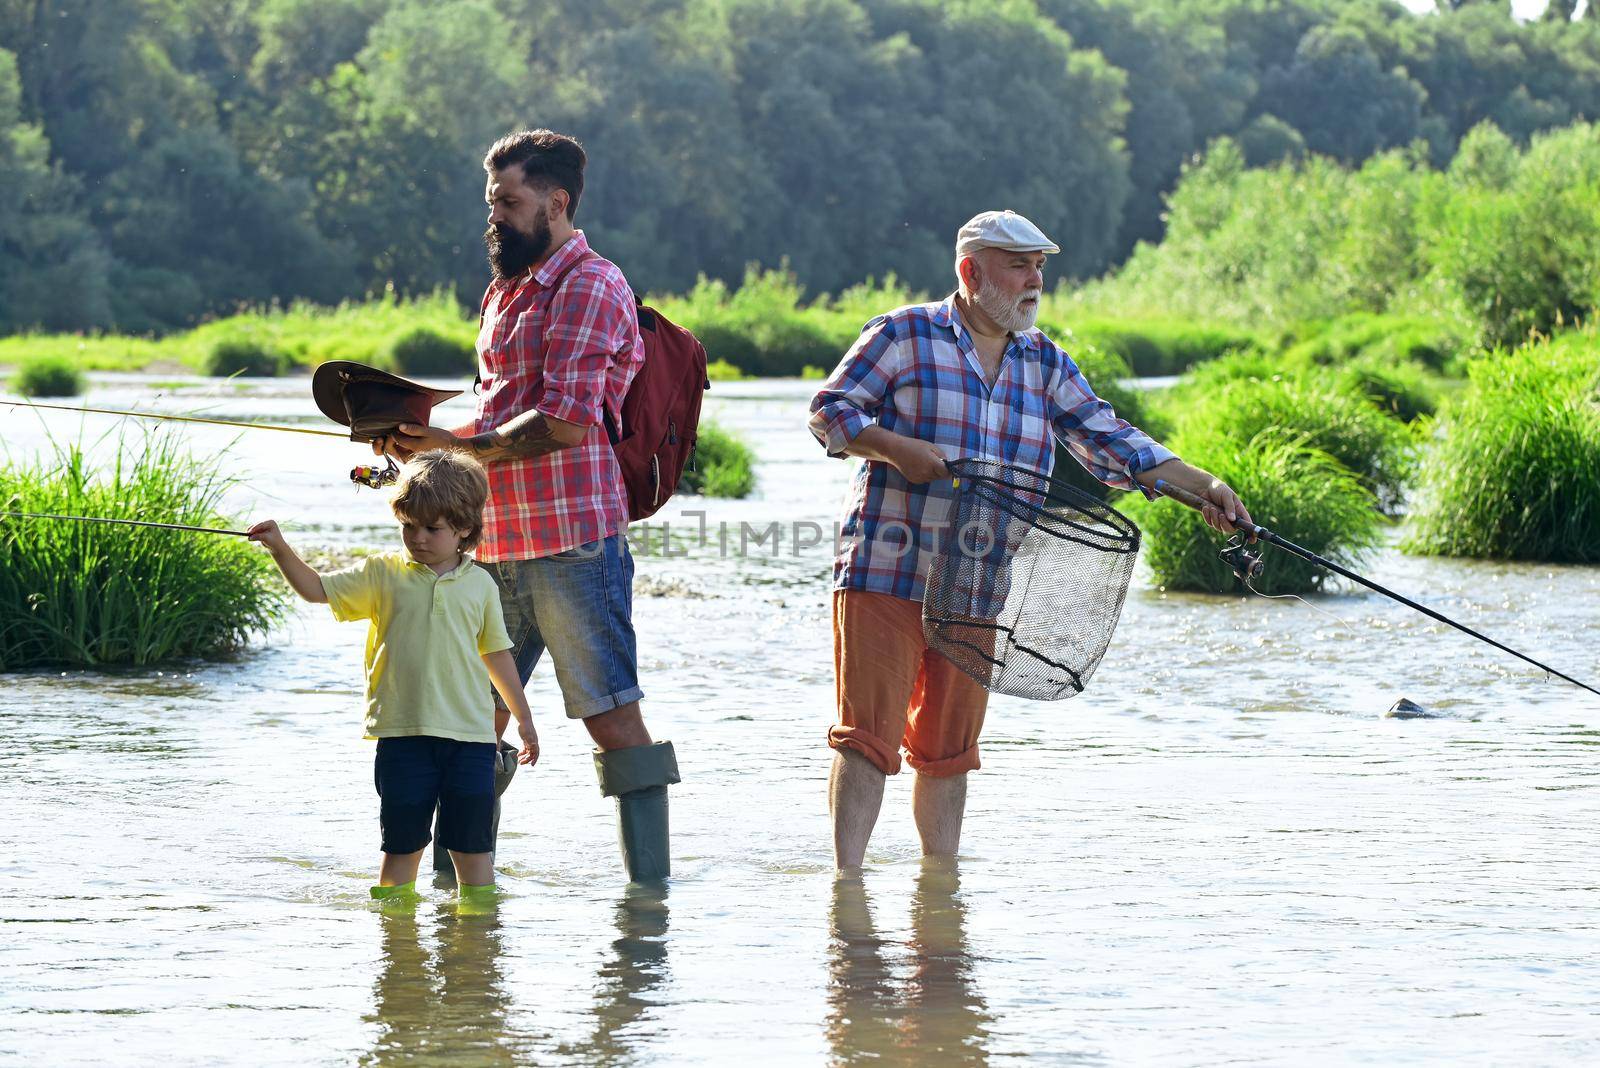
[
  {"x": 915, "y": 372},
  {"x": 569, "y": 352}
]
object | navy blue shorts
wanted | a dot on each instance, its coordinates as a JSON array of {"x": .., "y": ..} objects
[{"x": 416, "y": 773}]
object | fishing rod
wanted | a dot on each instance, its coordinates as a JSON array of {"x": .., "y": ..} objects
[
  {"x": 125, "y": 522},
  {"x": 186, "y": 419},
  {"x": 362, "y": 475},
  {"x": 1248, "y": 565}
]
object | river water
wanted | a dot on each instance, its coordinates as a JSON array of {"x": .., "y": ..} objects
[{"x": 1221, "y": 853}]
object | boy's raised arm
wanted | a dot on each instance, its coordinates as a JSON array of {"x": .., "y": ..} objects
[
  {"x": 306, "y": 582},
  {"x": 503, "y": 673}
]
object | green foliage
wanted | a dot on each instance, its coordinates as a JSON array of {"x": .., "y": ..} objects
[
  {"x": 242, "y": 354},
  {"x": 765, "y": 327},
  {"x": 422, "y": 351},
  {"x": 1402, "y": 390},
  {"x": 96, "y": 595},
  {"x": 1153, "y": 346},
  {"x": 723, "y": 465},
  {"x": 48, "y": 375},
  {"x": 1515, "y": 472},
  {"x": 170, "y": 162},
  {"x": 723, "y": 371},
  {"x": 1434, "y": 343},
  {"x": 1296, "y": 491},
  {"x": 1504, "y": 245},
  {"x": 1350, "y": 429}
]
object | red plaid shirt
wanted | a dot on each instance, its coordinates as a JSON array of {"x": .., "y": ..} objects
[{"x": 570, "y": 353}]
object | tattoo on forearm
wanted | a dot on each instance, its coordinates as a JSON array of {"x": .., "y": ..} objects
[{"x": 529, "y": 434}]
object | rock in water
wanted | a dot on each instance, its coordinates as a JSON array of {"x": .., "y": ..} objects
[{"x": 1406, "y": 709}]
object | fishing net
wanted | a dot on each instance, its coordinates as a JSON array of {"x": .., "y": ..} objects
[{"x": 1025, "y": 590}]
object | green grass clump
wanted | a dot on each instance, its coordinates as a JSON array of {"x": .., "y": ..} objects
[
  {"x": 424, "y": 351},
  {"x": 1433, "y": 343},
  {"x": 1292, "y": 489},
  {"x": 723, "y": 371},
  {"x": 48, "y": 375},
  {"x": 95, "y": 595},
  {"x": 1380, "y": 450},
  {"x": 242, "y": 355},
  {"x": 1400, "y": 389},
  {"x": 1515, "y": 474},
  {"x": 723, "y": 465},
  {"x": 1151, "y": 346}
]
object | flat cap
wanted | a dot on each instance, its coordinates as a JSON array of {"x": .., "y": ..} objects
[{"x": 1002, "y": 229}]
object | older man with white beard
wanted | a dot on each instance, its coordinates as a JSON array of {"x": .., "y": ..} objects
[{"x": 968, "y": 376}]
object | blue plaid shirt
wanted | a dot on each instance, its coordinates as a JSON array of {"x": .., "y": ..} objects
[{"x": 915, "y": 372}]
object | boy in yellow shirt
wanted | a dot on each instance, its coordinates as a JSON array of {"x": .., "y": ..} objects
[{"x": 436, "y": 640}]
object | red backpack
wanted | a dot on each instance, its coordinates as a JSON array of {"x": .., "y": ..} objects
[{"x": 660, "y": 411}]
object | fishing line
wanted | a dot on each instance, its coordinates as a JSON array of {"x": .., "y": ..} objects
[
  {"x": 1252, "y": 562},
  {"x": 1296, "y": 597}
]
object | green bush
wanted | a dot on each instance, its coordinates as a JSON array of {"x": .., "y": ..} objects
[
  {"x": 1432, "y": 343},
  {"x": 723, "y": 465},
  {"x": 1298, "y": 492},
  {"x": 1400, "y": 389},
  {"x": 243, "y": 355},
  {"x": 1515, "y": 472},
  {"x": 1380, "y": 450},
  {"x": 91, "y": 595},
  {"x": 47, "y": 375},
  {"x": 1159, "y": 346},
  {"x": 422, "y": 351}
]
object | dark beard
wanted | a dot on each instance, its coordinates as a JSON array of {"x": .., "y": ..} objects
[{"x": 512, "y": 252}]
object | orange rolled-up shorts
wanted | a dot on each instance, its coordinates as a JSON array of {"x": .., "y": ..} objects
[{"x": 894, "y": 691}]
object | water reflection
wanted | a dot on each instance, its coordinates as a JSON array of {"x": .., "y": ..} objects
[
  {"x": 440, "y": 996},
  {"x": 934, "y": 1013},
  {"x": 628, "y": 979}
]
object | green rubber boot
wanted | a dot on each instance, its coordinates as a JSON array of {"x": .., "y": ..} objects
[
  {"x": 505, "y": 766},
  {"x": 477, "y": 900},
  {"x": 400, "y": 898},
  {"x": 638, "y": 778}
]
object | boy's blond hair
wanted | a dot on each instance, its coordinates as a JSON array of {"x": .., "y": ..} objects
[{"x": 443, "y": 486}]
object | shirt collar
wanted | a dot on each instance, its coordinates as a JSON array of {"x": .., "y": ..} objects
[
  {"x": 561, "y": 259},
  {"x": 459, "y": 569}
]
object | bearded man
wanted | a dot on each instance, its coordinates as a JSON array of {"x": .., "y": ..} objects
[
  {"x": 557, "y": 346},
  {"x": 968, "y": 376}
]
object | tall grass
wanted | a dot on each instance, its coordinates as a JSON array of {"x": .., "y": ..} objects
[
  {"x": 1516, "y": 472},
  {"x": 96, "y": 595},
  {"x": 1296, "y": 491},
  {"x": 305, "y": 334},
  {"x": 723, "y": 466},
  {"x": 1349, "y": 428},
  {"x": 48, "y": 374}
]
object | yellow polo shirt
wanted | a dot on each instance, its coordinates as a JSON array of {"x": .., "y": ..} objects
[{"x": 425, "y": 671}]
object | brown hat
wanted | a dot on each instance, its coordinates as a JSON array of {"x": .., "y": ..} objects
[{"x": 372, "y": 403}]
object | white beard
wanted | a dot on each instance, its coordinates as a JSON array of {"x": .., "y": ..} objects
[{"x": 1007, "y": 310}]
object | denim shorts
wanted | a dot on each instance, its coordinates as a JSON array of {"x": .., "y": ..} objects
[
  {"x": 579, "y": 605},
  {"x": 417, "y": 772}
]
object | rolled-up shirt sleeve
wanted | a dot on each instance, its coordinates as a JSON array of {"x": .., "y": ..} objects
[
  {"x": 587, "y": 328},
  {"x": 1108, "y": 446},
  {"x": 849, "y": 401}
]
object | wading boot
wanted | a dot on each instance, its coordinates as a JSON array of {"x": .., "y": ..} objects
[
  {"x": 638, "y": 778},
  {"x": 505, "y": 766}
]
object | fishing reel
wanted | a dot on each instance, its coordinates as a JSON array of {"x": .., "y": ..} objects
[
  {"x": 376, "y": 477},
  {"x": 1245, "y": 561}
]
